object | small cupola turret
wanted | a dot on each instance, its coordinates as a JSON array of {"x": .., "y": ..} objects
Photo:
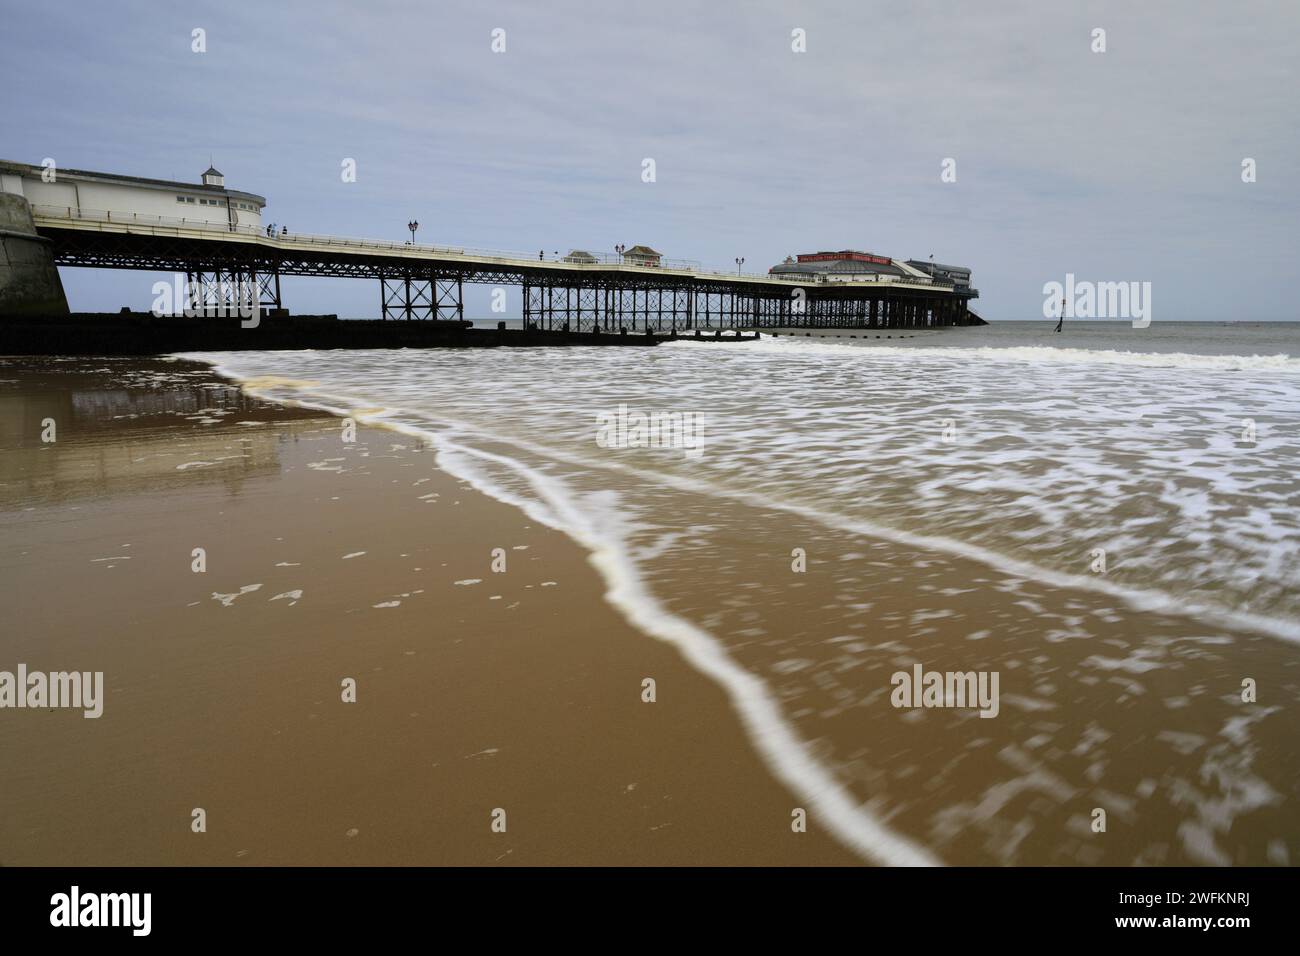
[{"x": 213, "y": 178}]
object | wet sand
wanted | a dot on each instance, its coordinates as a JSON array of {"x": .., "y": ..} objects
[{"x": 521, "y": 691}]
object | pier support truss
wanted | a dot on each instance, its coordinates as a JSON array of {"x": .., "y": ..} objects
[
  {"x": 222, "y": 291},
  {"x": 268, "y": 285},
  {"x": 412, "y": 296},
  {"x": 563, "y": 306}
]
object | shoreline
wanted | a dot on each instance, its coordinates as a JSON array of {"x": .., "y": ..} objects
[
  {"x": 1134, "y": 598},
  {"x": 784, "y": 754}
]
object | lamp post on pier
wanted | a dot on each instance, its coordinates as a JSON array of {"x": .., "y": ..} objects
[
  {"x": 413, "y": 225},
  {"x": 740, "y": 261}
]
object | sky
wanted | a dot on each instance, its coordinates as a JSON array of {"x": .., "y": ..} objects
[{"x": 1115, "y": 166}]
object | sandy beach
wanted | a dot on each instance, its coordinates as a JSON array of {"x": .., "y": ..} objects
[
  {"x": 495, "y": 587},
  {"x": 328, "y": 560}
]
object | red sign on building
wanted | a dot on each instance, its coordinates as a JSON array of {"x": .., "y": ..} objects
[{"x": 847, "y": 254}]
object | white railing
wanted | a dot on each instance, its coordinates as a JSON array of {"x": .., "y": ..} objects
[
  {"x": 47, "y": 211},
  {"x": 263, "y": 234}
]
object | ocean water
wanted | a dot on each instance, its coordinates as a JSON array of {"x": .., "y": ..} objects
[{"x": 1109, "y": 518}]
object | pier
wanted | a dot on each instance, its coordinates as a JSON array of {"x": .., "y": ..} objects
[
  {"x": 227, "y": 256},
  {"x": 426, "y": 282}
]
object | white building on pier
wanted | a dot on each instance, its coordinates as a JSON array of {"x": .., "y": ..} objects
[{"x": 77, "y": 193}]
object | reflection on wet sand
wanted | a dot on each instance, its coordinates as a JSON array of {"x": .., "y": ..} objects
[{"x": 152, "y": 427}]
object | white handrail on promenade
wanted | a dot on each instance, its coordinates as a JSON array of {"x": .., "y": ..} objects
[{"x": 260, "y": 234}]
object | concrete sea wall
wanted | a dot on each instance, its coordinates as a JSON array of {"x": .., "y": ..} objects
[{"x": 29, "y": 282}]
